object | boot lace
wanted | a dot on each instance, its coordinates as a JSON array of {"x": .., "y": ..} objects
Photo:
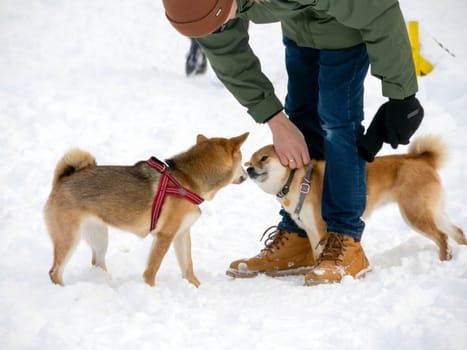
[
  {"x": 274, "y": 240},
  {"x": 335, "y": 245}
]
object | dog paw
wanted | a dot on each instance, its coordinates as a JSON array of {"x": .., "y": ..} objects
[
  {"x": 149, "y": 279},
  {"x": 445, "y": 255},
  {"x": 194, "y": 281},
  {"x": 55, "y": 278}
]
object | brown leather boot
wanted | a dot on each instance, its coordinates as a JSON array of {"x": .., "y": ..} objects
[
  {"x": 285, "y": 253},
  {"x": 341, "y": 256}
]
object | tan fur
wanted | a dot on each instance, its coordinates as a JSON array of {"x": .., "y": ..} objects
[
  {"x": 410, "y": 180},
  {"x": 86, "y": 199},
  {"x": 74, "y": 160}
]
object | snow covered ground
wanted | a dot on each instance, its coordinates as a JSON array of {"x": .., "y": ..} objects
[{"x": 108, "y": 76}]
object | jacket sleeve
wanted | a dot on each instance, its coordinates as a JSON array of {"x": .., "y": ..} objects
[
  {"x": 235, "y": 64},
  {"x": 384, "y": 32}
]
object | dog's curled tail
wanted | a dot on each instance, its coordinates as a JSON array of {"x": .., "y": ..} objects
[
  {"x": 73, "y": 161},
  {"x": 432, "y": 148}
]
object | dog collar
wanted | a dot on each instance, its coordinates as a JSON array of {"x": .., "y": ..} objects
[
  {"x": 284, "y": 190},
  {"x": 168, "y": 185}
]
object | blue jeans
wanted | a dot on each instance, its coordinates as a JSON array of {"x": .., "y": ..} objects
[{"x": 325, "y": 101}]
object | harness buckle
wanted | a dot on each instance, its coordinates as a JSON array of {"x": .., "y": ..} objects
[{"x": 304, "y": 188}]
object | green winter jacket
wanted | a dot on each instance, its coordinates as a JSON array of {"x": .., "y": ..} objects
[{"x": 321, "y": 24}]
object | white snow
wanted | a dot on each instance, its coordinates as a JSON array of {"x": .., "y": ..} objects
[{"x": 108, "y": 76}]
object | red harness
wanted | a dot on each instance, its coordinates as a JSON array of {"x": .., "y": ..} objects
[{"x": 168, "y": 185}]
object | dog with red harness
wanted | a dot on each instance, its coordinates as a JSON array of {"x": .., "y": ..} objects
[{"x": 150, "y": 197}]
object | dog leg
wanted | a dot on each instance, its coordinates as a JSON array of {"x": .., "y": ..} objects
[
  {"x": 452, "y": 230},
  {"x": 96, "y": 235},
  {"x": 65, "y": 238},
  {"x": 160, "y": 246},
  {"x": 424, "y": 222},
  {"x": 182, "y": 245}
]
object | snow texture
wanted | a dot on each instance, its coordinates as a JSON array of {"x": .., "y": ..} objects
[{"x": 108, "y": 77}]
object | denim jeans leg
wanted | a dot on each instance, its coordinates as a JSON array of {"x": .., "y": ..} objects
[
  {"x": 341, "y": 77},
  {"x": 301, "y": 102},
  {"x": 301, "y": 105}
]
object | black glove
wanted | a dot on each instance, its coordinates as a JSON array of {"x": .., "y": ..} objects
[
  {"x": 394, "y": 122},
  {"x": 372, "y": 141},
  {"x": 402, "y": 119}
]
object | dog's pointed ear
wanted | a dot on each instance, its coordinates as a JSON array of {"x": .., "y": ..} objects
[
  {"x": 238, "y": 141},
  {"x": 201, "y": 138}
]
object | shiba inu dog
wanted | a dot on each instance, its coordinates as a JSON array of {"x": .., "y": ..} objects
[
  {"x": 86, "y": 199},
  {"x": 411, "y": 180}
]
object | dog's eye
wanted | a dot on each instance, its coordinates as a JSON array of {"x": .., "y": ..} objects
[{"x": 264, "y": 158}]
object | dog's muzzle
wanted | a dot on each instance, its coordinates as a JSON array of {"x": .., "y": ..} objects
[
  {"x": 251, "y": 172},
  {"x": 239, "y": 180},
  {"x": 254, "y": 175}
]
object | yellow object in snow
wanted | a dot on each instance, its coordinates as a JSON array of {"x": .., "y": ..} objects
[{"x": 422, "y": 66}]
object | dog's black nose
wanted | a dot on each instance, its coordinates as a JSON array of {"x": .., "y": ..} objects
[{"x": 251, "y": 171}]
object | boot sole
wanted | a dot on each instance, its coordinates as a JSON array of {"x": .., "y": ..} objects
[
  {"x": 359, "y": 276},
  {"x": 272, "y": 273}
]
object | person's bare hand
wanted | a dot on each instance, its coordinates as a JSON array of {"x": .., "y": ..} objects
[{"x": 289, "y": 142}]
